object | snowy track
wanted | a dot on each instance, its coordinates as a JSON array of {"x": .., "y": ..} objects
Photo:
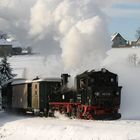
[{"x": 14, "y": 127}]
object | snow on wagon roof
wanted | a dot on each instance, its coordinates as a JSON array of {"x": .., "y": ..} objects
[
  {"x": 48, "y": 80},
  {"x": 20, "y": 81},
  {"x": 24, "y": 81}
]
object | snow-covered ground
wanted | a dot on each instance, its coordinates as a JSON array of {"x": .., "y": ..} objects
[{"x": 39, "y": 128}]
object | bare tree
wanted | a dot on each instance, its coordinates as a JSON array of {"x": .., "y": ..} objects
[
  {"x": 137, "y": 35},
  {"x": 134, "y": 59}
]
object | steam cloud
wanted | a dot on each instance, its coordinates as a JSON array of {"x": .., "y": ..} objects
[
  {"x": 78, "y": 27},
  {"x": 75, "y": 30}
]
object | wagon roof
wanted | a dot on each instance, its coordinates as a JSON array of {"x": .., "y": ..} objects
[
  {"x": 48, "y": 80},
  {"x": 20, "y": 81},
  {"x": 11, "y": 81}
]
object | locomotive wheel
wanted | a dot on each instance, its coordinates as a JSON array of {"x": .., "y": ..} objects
[
  {"x": 116, "y": 116},
  {"x": 46, "y": 114}
]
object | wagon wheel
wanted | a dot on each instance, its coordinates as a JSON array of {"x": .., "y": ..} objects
[
  {"x": 73, "y": 113},
  {"x": 35, "y": 113},
  {"x": 51, "y": 113},
  {"x": 78, "y": 113}
]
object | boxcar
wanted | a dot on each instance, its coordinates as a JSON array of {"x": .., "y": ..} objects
[
  {"x": 7, "y": 93},
  {"x": 0, "y": 99},
  {"x": 21, "y": 95},
  {"x": 42, "y": 90}
]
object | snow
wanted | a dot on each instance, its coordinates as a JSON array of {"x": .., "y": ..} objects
[
  {"x": 4, "y": 42},
  {"x": 49, "y": 79},
  {"x": 13, "y": 43},
  {"x": 113, "y": 36},
  {"x": 20, "y": 81},
  {"x": 14, "y": 127},
  {"x": 126, "y": 63}
]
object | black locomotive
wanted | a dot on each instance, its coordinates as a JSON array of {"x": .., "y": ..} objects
[{"x": 96, "y": 96}]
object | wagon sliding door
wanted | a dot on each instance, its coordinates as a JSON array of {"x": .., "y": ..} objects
[
  {"x": 35, "y": 95},
  {"x": 44, "y": 92},
  {"x": 19, "y": 98}
]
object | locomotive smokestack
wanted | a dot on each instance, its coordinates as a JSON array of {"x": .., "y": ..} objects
[{"x": 65, "y": 79}]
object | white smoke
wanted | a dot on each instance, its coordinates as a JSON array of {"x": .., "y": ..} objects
[
  {"x": 85, "y": 44},
  {"x": 75, "y": 29},
  {"x": 78, "y": 27},
  {"x": 40, "y": 19},
  {"x": 126, "y": 63},
  {"x": 61, "y": 116},
  {"x": 14, "y": 18}
]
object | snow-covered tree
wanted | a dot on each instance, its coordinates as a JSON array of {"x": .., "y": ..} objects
[
  {"x": 5, "y": 71},
  {"x": 3, "y": 35}
]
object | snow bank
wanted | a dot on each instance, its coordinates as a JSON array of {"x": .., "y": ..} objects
[
  {"x": 37, "y": 128},
  {"x": 126, "y": 63}
]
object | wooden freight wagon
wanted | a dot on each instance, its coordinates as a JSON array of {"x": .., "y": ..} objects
[
  {"x": 42, "y": 90},
  {"x": 0, "y": 99},
  {"x": 21, "y": 95}
]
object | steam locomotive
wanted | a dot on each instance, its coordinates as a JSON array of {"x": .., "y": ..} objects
[{"x": 96, "y": 96}]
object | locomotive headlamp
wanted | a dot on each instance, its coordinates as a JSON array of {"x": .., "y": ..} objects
[
  {"x": 117, "y": 93},
  {"x": 97, "y": 93}
]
